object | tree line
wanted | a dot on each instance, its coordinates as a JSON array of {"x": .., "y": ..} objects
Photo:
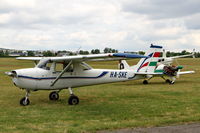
[{"x": 95, "y": 51}]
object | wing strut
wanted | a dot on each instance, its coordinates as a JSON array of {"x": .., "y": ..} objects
[{"x": 64, "y": 70}]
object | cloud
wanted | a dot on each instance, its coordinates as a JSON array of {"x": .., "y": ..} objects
[
  {"x": 126, "y": 25},
  {"x": 192, "y": 22},
  {"x": 163, "y": 9}
]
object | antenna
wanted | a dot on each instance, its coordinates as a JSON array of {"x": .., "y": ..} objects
[{"x": 78, "y": 50}]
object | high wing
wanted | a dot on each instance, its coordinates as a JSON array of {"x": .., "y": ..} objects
[
  {"x": 182, "y": 56},
  {"x": 93, "y": 57}
]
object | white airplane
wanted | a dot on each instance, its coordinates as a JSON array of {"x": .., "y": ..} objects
[
  {"x": 164, "y": 65},
  {"x": 58, "y": 73}
]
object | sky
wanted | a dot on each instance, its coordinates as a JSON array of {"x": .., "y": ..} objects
[{"x": 126, "y": 25}]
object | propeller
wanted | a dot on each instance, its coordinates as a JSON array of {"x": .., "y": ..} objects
[{"x": 11, "y": 74}]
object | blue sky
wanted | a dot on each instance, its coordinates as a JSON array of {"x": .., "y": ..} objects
[{"x": 126, "y": 25}]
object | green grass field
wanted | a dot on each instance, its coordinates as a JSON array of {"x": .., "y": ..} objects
[{"x": 102, "y": 107}]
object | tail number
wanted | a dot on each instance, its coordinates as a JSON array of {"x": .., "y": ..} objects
[{"x": 118, "y": 74}]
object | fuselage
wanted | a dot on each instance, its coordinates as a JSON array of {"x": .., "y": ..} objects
[{"x": 41, "y": 79}]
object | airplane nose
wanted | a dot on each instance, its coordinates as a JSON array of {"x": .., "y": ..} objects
[{"x": 11, "y": 74}]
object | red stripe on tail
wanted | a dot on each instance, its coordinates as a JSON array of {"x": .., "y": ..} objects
[
  {"x": 157, "y": 54},
  {"x": 146, "y": 64}
]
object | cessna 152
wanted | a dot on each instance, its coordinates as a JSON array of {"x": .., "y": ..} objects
[{"x": 58, "y": 73}]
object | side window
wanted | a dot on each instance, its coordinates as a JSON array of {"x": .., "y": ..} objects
[{"x": 59, "y": 67}]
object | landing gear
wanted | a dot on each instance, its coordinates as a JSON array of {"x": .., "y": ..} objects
[
  {"x": 73, "y": 100},
  {"x": 147, "y": 79},
  {"x": 172, "y": 81},
  {"x": 25, "y": 101},
  {"x": 54, "y": 96},
  {"x": 145, "y": 82},
  {"x": 168, "y": 81}
]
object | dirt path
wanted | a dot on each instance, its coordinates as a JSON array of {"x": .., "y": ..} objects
[{"x": 190, "y": 128}]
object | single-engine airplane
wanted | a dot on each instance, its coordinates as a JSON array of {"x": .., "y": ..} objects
[
  {"x": 164, "y": 65},
  {"x": 67, "y": 72}
]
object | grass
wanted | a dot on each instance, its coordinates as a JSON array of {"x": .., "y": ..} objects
[{"x": 102, "y": 107}]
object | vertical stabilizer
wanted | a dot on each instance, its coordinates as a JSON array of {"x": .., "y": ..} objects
[{"x": 149, "y": 64}]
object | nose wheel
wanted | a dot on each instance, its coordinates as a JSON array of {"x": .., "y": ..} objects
[{"x": 25, "y": 101}]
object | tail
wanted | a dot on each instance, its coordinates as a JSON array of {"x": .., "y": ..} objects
[{"x": 148, "y": 65}]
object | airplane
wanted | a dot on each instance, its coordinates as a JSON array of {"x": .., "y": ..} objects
[
  {"x": 163, "y": 61},
  {"x": 67, "y": 72}
]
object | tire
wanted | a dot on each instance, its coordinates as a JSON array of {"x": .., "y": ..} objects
[
  {"x": 171, "y": 82},
  {"x": 54, "y": 96},
  {"x": 145, "y": 82},
  {"x": 167, "y": 81},
  {"x": 73, "y": 100},
  {"x": 24, "y": 102}
]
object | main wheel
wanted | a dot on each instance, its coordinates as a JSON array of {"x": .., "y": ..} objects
[
  {"x": 73, "y": 100},
  {"x": 167, "y": 81},
  {"x": 54, "y": 96},
  {"x": 24, "y": 101},
  {"x": 171, "y": 82},
  {"x": 145, "y": 82}
]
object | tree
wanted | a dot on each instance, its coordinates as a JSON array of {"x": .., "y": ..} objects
[
  {"x": 83, "y": 52},
  {"x": 1, "y": 53},
  {"x": 141, "y": 52},
  {"x": 31, "y": 53},
  {"x": 48, "y": 53},
  {"x": 110, "y": 50},
  {"x": 95, "y": 51}
]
